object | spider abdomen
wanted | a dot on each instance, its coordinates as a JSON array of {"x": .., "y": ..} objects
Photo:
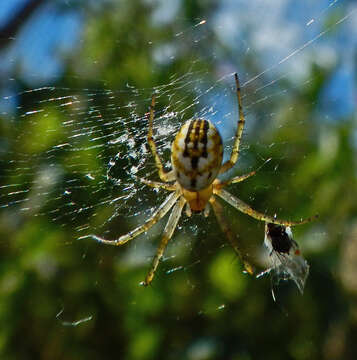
[{"x": 196, "y": 154}]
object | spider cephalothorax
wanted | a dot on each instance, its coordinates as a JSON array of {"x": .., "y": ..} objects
[{"x": 196, "y": 158}]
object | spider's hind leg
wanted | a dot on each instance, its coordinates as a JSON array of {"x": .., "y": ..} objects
[
  {"x": 221, "y": 184},
  {"x": 157, "y": 184},
  {"x": 164, "y": 176},
  {"x": 240, "y": 126},
  {"x": 236, "y": 245}
]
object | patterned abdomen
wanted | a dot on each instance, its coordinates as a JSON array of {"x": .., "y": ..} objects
[{"x": 196, "y": 154}]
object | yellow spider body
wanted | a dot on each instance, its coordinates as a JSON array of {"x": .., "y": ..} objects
[
  {"x": 196, "y": 158},
  {"x": 196, "y": 154}
]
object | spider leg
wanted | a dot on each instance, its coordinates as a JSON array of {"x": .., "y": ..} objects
[
  {"x": 235, "y": 150},
  {"x": 218, "y": 210},
  {"x": 168, "y": 231},
  {"x": 157, "y": 184},
  {"x": 246, "y": 209},
  {"x": 236, "y": 179},
  {"x": 156, "y": 216},
  {"x": 164, "y": 176}
]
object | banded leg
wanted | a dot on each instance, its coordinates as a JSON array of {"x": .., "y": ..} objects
[
  {"x": 218, "y": 210},
  {"x": 157, "y": 184},
  {"x": 158, "y": 214},
  {"x": 221, "y": 184},
  {"x": 235, "y": 150},
  {"x": 164, "y": 176},
  {"x": 246, "y": 209},
  {"x": 168, "y": 231}
]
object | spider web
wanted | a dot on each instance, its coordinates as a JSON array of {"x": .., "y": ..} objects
[{"x": 83, "y": 174}]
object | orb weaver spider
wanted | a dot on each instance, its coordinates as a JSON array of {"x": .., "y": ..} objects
[{"x": 196, "y": 158}]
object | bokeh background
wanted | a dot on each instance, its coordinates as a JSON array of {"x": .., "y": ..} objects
[{"x": 75, "y": 85}]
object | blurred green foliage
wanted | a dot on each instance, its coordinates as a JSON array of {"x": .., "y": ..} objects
[{"x": 207, "y": 308}]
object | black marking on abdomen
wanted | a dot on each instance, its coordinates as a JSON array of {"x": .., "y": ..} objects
[
  {"x": 205, "y": 138},
  {"x": 197, "y": 133},
  {"x": 194, "y": 162},
  {"x": 188, "y": 138}
]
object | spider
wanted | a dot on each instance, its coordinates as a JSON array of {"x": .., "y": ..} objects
[{"x": 196, "y": 158}]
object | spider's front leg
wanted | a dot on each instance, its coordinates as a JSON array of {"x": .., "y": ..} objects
[
  {"x": 246, "y": 209},
  {"x": 218, "y": 211},
  {"x": 168, "y": 232},
  {"x": 156, "y": 216}
]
